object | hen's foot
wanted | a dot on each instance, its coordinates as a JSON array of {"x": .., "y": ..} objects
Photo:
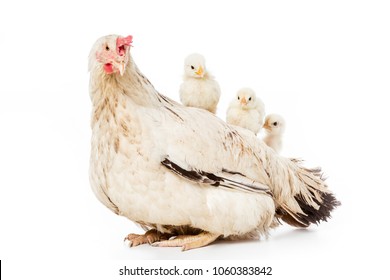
[
  {"x": 149, "y": 237},
  {"x": 188, "y": 242}
]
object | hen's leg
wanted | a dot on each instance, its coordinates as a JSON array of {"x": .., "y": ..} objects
[
  {"x": 150, "y": 237},
  {"x": 188, "y": 242}
]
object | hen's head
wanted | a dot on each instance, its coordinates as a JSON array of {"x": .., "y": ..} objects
[
  {"x": 274, "y": 124},
  {"x": 195, "y": 66},
  {"x": 246, "y": 98},
  {"x": 111, "y": 54}
]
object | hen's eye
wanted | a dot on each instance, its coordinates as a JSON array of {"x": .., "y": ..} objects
[
  {"x": 250, "y": 98},
  {"x": 275, "y": 123},
  {"x": 192, "y": 67},
  {"x": 107, "y": 48}
]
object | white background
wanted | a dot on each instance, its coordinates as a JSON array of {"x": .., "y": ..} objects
[{"x": 323, "y": 65}]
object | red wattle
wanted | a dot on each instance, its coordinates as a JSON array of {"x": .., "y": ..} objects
[{"x": 108, "y": 68}]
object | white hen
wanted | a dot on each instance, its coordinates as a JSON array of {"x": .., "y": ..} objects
[
  {"x": 274, "y": 126},
  {"x": 199, "y": 88},
  {"x": 246, "y": 110},
  {"x": 179, "y": 170}
]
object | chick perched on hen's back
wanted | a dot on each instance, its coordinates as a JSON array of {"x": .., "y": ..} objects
[
  {"x": 199, "y": 88},
  {"x": 274, "y": 127},
  {"x": 246, "y": 110}
]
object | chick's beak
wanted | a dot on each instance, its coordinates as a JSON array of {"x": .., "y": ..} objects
[
  {"x": 266, "y": 126},
  {"x": 243, "y": 101},
  {"x": 200, "y": 71}
]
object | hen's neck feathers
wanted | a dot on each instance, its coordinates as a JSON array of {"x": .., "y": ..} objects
[{"x": 132, "y": 84}]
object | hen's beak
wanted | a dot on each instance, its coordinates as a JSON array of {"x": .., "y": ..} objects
[
  {"x": 200, "y": 71},
  {"x": 243, "y": 101},
  {"x": 120, "y": 66}
]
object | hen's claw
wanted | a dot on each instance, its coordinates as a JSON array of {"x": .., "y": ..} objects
[
  {"x": 188, "y": 242},
  {"x": 149, "y": 237}
]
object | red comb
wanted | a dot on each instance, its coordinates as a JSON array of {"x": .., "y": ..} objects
[
  {"x": 124, "y": 41},
  {"x": 121, "y": 43}
]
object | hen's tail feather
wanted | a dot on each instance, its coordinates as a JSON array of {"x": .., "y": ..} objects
[
  {"x": 315, "y": 200},
  {"x": 290, "y": 217},
  {"x": 311, "y": 214}
]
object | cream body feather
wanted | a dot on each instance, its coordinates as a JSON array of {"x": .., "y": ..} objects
[
  {"x": 246, "y": 110},
  {"x": 200, "y": 92},
  {"x": 128, "y": 177},
  {"x": 249, "y": 119},
  {"x": 274, "y": 127},
  {"x": 274, "y": 141}
]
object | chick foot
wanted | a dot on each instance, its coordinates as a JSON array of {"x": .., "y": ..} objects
[
  {"x": 149, "y": 237},
  {"x": 188, "y": 242}
]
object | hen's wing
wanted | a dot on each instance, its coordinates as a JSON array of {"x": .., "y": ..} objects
[
  {"x": 224, "y": 178},
  {"x": 201, "y": 141},
  {"x": 205, "y": 149}
]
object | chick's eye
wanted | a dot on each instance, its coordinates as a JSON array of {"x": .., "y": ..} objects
[
  {"x": 250, "y": 98},
  {"x": 192, "y": 67},
  {"x": 238, "y": 97},
  {"x": 275, "y": 123},
  {"x": 107, "y": 48}
]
